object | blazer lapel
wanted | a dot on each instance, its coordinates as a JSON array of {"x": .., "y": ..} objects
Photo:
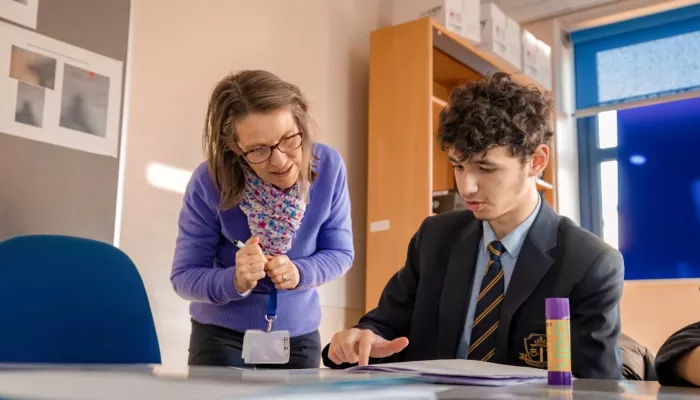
[
  {"x": 457, "y": 289},
  {"x": 532, "y": 265}
]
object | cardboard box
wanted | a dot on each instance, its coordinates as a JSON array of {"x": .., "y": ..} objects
[
  {"x": 458, "y": 16},
  {"x": 537, "y": 60},
  {"x": 544, "y": 63},
  {"x": 500, "y": 35},
  {"x": 530, "y": 61}
]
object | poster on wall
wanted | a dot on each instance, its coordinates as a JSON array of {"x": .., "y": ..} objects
[
  {"x": 57, "y": 93},
  {"x": 22, "y": 12}
]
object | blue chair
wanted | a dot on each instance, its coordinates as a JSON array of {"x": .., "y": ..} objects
[{"x": 73, "y": 301}]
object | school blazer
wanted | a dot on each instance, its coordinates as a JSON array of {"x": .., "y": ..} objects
[
  {"x": 680, "y": 343},
  {"x": 426, "y": 300}
]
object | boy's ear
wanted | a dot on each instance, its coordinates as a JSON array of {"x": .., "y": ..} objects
[{"x": 539, "y": 159}]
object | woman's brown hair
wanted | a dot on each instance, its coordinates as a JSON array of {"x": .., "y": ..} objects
[{"x": 234, "y": 98}]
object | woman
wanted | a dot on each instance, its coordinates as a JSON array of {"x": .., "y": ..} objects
[{"x": 267, "y": 184}]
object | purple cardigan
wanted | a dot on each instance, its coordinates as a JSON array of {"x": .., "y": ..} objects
[{"x": 204, "y": 262}]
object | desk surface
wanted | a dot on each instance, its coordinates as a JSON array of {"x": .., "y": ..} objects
[
  {"x": 582, "y": 389},
  {"x": 136, "y": 382}
]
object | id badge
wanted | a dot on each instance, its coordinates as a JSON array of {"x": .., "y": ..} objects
[{"x": 261, "y": 347}]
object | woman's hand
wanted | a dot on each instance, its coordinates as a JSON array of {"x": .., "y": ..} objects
[
  {"x": 283, "y": 272},
  {"x": 250, "y": 266}
]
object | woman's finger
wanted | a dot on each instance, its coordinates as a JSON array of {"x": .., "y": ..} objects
[
  {"x": 277, "y": 262},
  {"x": 276, "y": 274},
  {"x": 292, "y": 278},
  {"x": 252, "y": 249},
  {"x": 255, "y": 276},
  {"x": 282, "y": 278},
  {"x": 257, "y": 267},
  {"x": 245, "y": 261},
  {"x": 289, "y": 284}
]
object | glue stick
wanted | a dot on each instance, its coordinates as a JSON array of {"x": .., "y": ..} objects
[{"x": 558, "y": 341}]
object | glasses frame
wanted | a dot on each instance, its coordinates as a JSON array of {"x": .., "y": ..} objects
[{"x": 275, "y": 146}]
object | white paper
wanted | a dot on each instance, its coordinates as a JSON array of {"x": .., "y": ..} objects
[
  {"x": 79, "y": 385},
  {"x": 57, "y": 93},
  {"x": 23, "y": 12},
  {"x": 462, "y": 368},
  {"x": 409, "y": 392}
]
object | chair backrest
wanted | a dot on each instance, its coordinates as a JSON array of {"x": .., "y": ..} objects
[{"x": 72, "y": 300}]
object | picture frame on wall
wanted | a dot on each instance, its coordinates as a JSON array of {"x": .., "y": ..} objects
[
  {"x": 58, "y": 93},
  {"x": 22, "y": 12}
]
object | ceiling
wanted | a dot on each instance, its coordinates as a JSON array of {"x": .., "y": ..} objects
[{"x": 524, "y": 11}]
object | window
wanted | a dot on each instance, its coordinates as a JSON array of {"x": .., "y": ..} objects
[
  {"x": 640, "y": 186},
  {"x": 607, "y": 129},
  {"x": 638, "y": 59},
  {"x": 607, "y": 139},
  {"x": 637, "y": 83},
  {"x": 608, "y": 195},
  {"x": 599, "y": 175},
  {"x": 638, "y": 71}
]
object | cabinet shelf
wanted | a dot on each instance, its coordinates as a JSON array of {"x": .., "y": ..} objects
[
  {"x": 438, "y": 103},
  {"x": 542, "y": 184}
]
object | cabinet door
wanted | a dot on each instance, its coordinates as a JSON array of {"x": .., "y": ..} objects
[{"x": 399, "y": 147}]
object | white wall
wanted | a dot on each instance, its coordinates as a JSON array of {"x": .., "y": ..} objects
[{"x": 181, "y": 48}]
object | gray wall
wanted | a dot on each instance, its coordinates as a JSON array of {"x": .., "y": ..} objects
[{"x": 51, "y": 189}]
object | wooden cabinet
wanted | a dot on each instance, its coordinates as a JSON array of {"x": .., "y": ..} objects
[{"x": 413, "y": 68}]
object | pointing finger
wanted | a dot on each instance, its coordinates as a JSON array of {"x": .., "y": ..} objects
[{"x": 365, "y": 346}]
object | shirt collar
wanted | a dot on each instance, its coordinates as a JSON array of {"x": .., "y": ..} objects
[{"x": 513, "y": 241}]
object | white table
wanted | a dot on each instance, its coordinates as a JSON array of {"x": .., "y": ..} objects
[{"x": 145, "y": 382}]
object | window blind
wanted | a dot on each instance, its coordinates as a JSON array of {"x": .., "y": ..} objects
[{"x": 638, "y": 59}]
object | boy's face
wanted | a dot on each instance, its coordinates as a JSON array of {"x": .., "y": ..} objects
[{"x": 496, "y": 182}]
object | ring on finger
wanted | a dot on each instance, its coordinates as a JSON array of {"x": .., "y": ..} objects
[{"x": 284, "y": 277}]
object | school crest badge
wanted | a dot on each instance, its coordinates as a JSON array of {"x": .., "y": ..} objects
[{"x": 535, "y": 354}]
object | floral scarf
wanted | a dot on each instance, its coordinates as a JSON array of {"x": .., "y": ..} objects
[{"x": 274, "y": 215}]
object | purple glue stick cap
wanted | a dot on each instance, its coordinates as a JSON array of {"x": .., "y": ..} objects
[{"x": 557, "y": 308}]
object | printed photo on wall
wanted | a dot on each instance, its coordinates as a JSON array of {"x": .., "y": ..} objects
[
  {"x": 35, "y": 73},
  {"x": 84, "y": 101},
  {"x": 23, "y": 12},
  {"x": 58, "y": 93},
  {"x": 32, "y": 68},
  {"x": 30, "y": 105}
]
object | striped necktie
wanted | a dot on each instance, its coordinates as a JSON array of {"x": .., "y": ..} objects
[{"x": 488, "y": 307}]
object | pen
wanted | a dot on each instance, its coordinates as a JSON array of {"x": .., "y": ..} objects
[{"x": 241, "y": 245}]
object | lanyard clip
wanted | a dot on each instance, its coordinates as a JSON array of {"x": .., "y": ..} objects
[
  {"x": 269, "y": 321},
  {"x": 271, "y": 313}
]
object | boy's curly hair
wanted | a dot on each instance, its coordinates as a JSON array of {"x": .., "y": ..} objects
[{"x": 495, "y": 111}]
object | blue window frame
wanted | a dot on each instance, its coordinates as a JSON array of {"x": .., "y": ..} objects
[{"x": 593, "y": 152}]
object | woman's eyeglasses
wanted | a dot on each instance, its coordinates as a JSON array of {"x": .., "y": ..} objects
[{"x": 261, "y": 154}]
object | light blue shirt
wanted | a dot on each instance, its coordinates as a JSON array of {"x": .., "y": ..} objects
[{"x": 513, "y": 242}]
